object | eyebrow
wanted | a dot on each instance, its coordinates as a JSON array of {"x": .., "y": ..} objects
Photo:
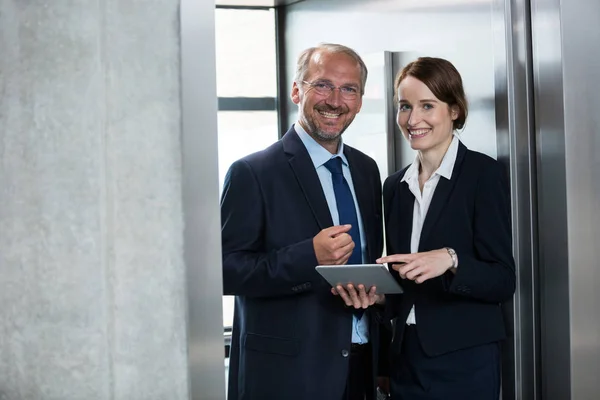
[
  {"x": 323, "y": 80},
  {"x": 421, "y": 101}
]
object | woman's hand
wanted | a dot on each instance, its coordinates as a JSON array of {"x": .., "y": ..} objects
[
  {"x": 420, "y": 267},
  {"x": 358, "y": 297}
]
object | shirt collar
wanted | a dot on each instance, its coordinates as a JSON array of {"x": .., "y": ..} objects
[
  {"x": 318, "y": 154},
  {"x": 446, "y": 166}
]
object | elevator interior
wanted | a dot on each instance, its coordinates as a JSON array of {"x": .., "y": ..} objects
[{"x": 531, "y": 71}]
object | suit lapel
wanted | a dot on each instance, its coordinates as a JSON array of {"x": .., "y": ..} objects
[
  {"x": 398, "y": 209},
  {"x": 364, "y": 196},
  {"x": 307, "y": 177},
  {"x": 441, "y": 195},
  {"x": 405, "y": 210}
]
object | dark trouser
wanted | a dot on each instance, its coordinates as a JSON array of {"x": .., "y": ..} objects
[
  {"x": 466, "y": 374},
  {"x": 359, "y": 385}
]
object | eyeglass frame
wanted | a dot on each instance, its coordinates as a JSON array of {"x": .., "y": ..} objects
[{"x": 331, "y": 88}]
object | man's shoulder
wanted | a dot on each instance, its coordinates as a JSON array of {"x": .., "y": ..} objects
[
  {"x": 359, "y": 156},
  {"x": 271, "y": 154}
]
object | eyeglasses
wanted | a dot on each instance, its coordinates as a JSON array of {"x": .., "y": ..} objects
[{"x": 325, "y": 89}]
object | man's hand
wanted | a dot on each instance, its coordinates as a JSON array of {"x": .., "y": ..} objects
[
  {"x": 333, "y": 246},
  {"x": 358, "y": 298}
]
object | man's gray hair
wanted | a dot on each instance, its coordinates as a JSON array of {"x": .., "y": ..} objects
[{"x": 331, "y": 48}]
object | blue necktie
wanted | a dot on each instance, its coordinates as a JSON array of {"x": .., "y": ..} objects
[{"x": 346, "y": 211}]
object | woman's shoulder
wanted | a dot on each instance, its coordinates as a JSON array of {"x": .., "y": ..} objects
[
  {"x": 394, "y": 178},
  {"x": 484, "y": 172},
  {"x": 483, "y": 164}
]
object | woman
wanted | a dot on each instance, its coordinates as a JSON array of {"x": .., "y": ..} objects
[{"x": 447, "y": 218}]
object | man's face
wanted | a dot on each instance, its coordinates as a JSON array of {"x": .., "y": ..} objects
[{"x": 325, "y": 114}]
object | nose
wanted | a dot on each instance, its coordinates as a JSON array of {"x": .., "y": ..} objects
[
  {"x": 414, "y": 118},
  {"x": 335, "y": 98}
]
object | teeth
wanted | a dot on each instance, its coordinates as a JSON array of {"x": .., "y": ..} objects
[
  {"x": 418, "y": 132},
  {"x": 329, "y": 115}
]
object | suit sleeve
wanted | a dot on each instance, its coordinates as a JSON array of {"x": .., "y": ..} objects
[
  {"x": 489, "y": 274},
  {"x": 248, "y": 268}
]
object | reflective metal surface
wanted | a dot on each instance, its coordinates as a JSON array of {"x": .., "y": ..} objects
[
  {"x": 553, "y": 251},
  {"x": 581, "y": 78},
  {"x": 567, "y": 83},
  {"x": 201, "y": 201},
  {"x": 516, "y": 149}
]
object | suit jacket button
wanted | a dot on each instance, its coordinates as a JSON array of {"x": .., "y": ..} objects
[{"x": 345, "y": 353}]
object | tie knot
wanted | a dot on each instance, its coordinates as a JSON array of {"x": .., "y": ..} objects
[{"x": 334, "y": 165}]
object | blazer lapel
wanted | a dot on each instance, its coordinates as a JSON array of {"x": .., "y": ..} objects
[
  {"x": 307, "y": 178},
  {"x": 406, "y": 210},
  {"x": 441, "y": 195},
  {"x": 399, "y": 208},
  {"x": 364, "y": 196}
]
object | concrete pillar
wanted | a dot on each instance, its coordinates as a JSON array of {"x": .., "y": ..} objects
[{"x": 92, "y": 272}]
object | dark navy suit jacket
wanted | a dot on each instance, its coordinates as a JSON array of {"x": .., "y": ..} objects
[
  {"x": 291, "y": 336},
  {"x": 471, "y": 214}
]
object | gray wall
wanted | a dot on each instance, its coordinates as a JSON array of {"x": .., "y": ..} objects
[{"x": 91, "y": 230}]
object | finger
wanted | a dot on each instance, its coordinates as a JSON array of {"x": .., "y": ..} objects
[
  {"x": 341, "y": 240},
  {"x": 397, "y": 266},
  {"x": 428, "y": 274},
  {"x": 415, "y": 273},
  {"x": 343, "y": 260},
  {"x": 335, "y": 230},
  {"x": 373, "y": 291},
  {"x": 406, "y": 268},
  {"x": 344, "y": 254},
  {"x": 396, "y": 258},
  {"x": 363, "y": 296},
  {"x": 344, "y": 295},
  {"x": 372, "y": 295},
  {"x": 424, "y": 277},
  {"x": 333, "y": 291},
  {"x": 353, "y": 296}
]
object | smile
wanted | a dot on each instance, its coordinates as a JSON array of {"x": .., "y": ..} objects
[
  {"x": 418, "y": 133},
  {"x": 329, "y": 115}
]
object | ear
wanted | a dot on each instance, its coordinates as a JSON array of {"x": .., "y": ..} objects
[
  {"x": 454, "y": 112},
  {"x": 295, "y": 95}
]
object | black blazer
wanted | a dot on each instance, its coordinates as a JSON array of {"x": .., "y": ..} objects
[
  {"x": 471, "y": 214},
  {"x": 291, "y": 336}
]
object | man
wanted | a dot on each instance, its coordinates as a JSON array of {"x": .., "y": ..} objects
[{"x": 307, "y": 200}]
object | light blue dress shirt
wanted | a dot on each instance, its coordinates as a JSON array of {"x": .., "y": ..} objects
[{"x": 319, "y": 156}]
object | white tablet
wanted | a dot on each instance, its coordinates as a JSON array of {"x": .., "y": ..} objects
[{"x": 367, "y": 274}]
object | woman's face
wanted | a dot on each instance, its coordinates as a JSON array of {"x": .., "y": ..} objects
[{"x": 425, "y": 121}]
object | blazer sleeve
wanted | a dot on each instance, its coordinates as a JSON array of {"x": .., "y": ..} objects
[
  {"x": 489, "y": 274},
  {"x": 249, "y": 269}
]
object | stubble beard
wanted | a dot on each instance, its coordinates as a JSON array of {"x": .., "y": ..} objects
[{"x": 322, "y": 136}]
